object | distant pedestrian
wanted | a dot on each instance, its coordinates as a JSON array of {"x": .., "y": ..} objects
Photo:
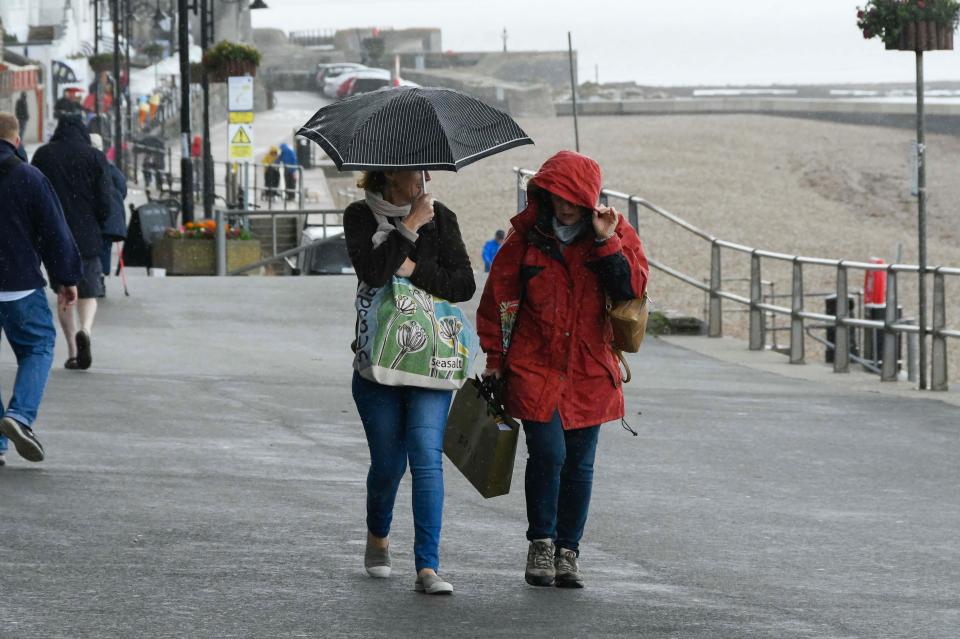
[
  {"x": 143, "y": 112},
  {"x": 81, "y": 178},
  {"x": 23, "y": 113},
  {"x": 32, "y": 230},
  {"x": 271, "y": 173},
  {"x": 491, "y": 247},
  {"x": 115, "y": 227},
  {"x": 543, "y": 325},
  {"x": 68, "y": 103},
  {"x": 288, "y": 158},
  {"x": 399, "y": 230}
]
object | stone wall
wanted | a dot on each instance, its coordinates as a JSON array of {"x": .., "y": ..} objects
[{"x": 519, "y": 100}]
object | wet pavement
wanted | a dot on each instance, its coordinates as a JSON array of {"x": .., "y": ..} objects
[{"x": 206, "y": 479}]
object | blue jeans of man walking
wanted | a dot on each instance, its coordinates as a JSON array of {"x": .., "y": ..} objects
[
  {"x": 28, "y": 326},
  {"x": 558, "y": 480},
  {"x": 402, "y": 424}
]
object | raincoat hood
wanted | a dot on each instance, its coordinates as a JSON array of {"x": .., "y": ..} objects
[
  {"x": 567, "y": 174},
  {"x": 572, "y": 176},
  {"x": 71, "y": 129}
]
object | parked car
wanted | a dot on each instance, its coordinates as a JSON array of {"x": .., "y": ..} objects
[
  {"x": 366, "y": 81},
  {"x": 330, "y": 76}
]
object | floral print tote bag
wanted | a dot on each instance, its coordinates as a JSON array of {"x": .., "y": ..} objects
[{"x": 408, "y": 337}]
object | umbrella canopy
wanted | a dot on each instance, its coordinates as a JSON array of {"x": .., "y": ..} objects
[{"x": 411, "y": 128}]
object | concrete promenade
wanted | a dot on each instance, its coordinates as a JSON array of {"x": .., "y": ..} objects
[{"x": 206, "y": 479}]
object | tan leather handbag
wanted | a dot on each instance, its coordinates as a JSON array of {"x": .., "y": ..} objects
[{"x": 629, "y": 321}]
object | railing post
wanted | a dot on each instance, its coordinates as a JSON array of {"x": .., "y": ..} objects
[
  {"x": 521, "y": 192},
  {"x": 796, "y": 321},
  {"x": 715, "y": 316},
  {"x": 888, "y": 369},
  {"x": 756, "y": 297},
  {"x": 221, "y": 239},
  {"x": 938, "y": 379},
  {"x": 841, "y": 346},
  {"x": 633, "y": 214}
]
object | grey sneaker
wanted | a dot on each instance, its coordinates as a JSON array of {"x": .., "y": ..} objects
[
  {"x": 568, "y": 569},
  {"x": 431, "y": 584},
  {"x": 540, "y": 570},
  {"x": 23, "y": 439},
  {"x": 377, "y": 561}
]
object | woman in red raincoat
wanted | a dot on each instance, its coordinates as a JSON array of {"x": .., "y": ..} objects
[{"x": 543, "y": 325}]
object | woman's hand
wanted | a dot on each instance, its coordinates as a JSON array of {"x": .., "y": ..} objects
[
  {"x": 492, "y": 372},
  {"x": 406, "y": 269},
  {"x": 420, "y": 213},
  {"x": 605, "y": 219}
]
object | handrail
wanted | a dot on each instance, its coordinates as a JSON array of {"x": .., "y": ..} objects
[{"x": 890, "y": 327}]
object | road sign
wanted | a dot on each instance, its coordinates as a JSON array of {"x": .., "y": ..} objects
[
  {"x": 241, "y": 117},
  {"x": 240, "y": 93},
  {"x": 240, "y": 143}
]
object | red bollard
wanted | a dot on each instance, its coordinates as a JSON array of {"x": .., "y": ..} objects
[{"x": 875, "y": 284}]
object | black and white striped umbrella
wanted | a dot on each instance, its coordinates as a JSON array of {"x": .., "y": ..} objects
[{"x": 411, "y": 128}]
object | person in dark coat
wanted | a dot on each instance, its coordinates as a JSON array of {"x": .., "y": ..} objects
[
  {"x": 115, "y": 228},
  {"x": 399, "y": 230},
  {"x": 79, "y": 174},
  {"x": 543, "y": 325},
  {"x": 23, "y": 113},
  {"x": 32, "y": 231}
]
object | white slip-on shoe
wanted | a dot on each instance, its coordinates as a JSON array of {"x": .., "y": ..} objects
[{"x": 432, "y": 584}]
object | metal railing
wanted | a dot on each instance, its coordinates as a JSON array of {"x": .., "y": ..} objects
[
  {"x": 240, "y": 217},
  {"x": 890, "y": 326}
]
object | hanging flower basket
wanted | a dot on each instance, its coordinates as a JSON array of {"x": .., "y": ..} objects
[
  {"x": 910, "y": 25},
  {"x": 924, "y": 36},
  {"x": 230, "y": 59},
  {"x": 101, "y": 62}
]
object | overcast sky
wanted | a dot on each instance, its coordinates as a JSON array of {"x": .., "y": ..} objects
[{"x": 665, "y": 42}]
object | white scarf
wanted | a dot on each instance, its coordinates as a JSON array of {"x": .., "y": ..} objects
[{"x": 382, "y": 210}]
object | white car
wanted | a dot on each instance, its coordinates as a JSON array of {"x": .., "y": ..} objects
[
  {"x": 329, "y": 78},
  {"x": 366, "y": 81},
  {"x": 334, "y": 69}
]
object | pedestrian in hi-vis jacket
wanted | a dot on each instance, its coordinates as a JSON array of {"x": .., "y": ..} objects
[
  {"x": 32, "y": 230},
  {"x": 543, "y": 325}
]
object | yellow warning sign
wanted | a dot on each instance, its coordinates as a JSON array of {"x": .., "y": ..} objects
[
  {"x": 241, "y": 117},
  {"x": 240, "y": 142},
  {"x": 240, "y": 137}
]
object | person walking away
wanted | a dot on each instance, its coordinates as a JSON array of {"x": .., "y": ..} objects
[
  {"x": 115, "y": 228},
  {"x": 543, "y": 325},
  {"x": 289, "y": 160},
  {"x": 271, "y": 174},
  {"x": 143, "y": 111},
  {"x": 491, "y": 247},
  {"x": 81, "y": 179},
  {"x": 154, "y": 105},
  {"x": 399, "y": 230},
  {"x": 23, "y": 113},
  {"x": 32, "y": 230}
]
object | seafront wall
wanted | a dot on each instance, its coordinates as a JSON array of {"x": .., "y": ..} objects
[{"x": 940, "y": 118}]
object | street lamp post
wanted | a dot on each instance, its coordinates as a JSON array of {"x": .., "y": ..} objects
[
  {"x": 117, "y": 93},
  {"x": 186, "y": 168},
  {"x": 206, "y": 39}
]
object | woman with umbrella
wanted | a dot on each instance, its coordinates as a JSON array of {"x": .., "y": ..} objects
[
  {"x": 399, "y": 230},
  {"x": 395, "y": 136}
]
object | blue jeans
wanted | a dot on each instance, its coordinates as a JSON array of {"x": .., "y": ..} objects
[
  {"x": 559, "y": 480},
  {"x": 401, "y": 423},
  {"x": 28, "y": 325}
]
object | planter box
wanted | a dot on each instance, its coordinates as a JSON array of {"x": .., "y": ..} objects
[
  {"x": 199, "y": 257},
  {"x": 924, "y": 36}
]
